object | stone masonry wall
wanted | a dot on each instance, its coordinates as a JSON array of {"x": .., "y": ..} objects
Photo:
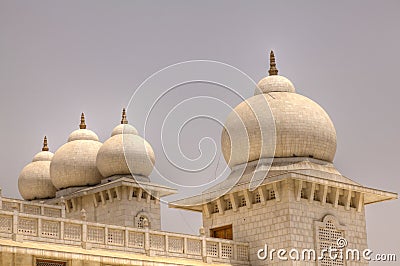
[
  {"x": 118, "y": 212},
  {"x": 288, "y": 224}
]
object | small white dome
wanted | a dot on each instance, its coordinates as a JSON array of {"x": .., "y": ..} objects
[
  {"x": 43, "y": 156},
  {"x": 274, "y": 83},
  {"x": 125, "y": 153},
  {"x": 34, "y": 180},
  {"x": 124, "y": 129},
  {"x": 74, "y": 163},
  {"x": 83, "y": 134}
]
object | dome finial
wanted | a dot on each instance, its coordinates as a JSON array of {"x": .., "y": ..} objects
[
  {"x": 272, "y": 65},
  {"x": 83, "y": 124},
  {"x": 124, "y": 120},
  {"x": 45, "y": 147}
]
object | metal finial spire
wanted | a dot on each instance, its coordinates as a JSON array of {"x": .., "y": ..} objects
[
  {"x": 272, "y": 65},
  {"x": 83, "y": 124},
  {"x": 124, "y": 120},
  {"x": 45, "y": 147}
]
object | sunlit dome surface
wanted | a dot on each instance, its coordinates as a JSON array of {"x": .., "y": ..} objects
[
  {"x": 74, "y": 163},
  {"x": 34, "y": 180},
  {"x": 125, "y": 153}
]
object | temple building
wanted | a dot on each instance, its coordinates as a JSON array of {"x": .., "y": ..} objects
[{"x": 93, "y": 204}]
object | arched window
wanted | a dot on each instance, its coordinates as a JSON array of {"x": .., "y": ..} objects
[{"x": 140, "y": 220}]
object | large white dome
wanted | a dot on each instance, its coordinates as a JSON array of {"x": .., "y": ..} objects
[
  {"x": 277, "y": 123},
  {"x": 34, "y": 180},
  {"x": 74, "y": 163},
  {"x": 125, "y": 153}
]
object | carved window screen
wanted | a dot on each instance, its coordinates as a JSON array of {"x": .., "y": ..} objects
[{"x": 327, "y": 233}]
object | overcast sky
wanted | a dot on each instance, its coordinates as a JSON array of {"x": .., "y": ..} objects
[{"x": 59, "y": 58}]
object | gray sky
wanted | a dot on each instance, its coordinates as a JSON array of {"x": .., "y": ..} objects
[{"x": 59, "y": 58}]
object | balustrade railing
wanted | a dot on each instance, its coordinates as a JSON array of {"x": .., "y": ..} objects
[
  {"x": 28, "y": 226},
  {"x": 35, "y": 208}
]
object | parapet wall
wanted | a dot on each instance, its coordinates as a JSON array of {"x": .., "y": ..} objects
[{"x": 22, "y": 221}]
